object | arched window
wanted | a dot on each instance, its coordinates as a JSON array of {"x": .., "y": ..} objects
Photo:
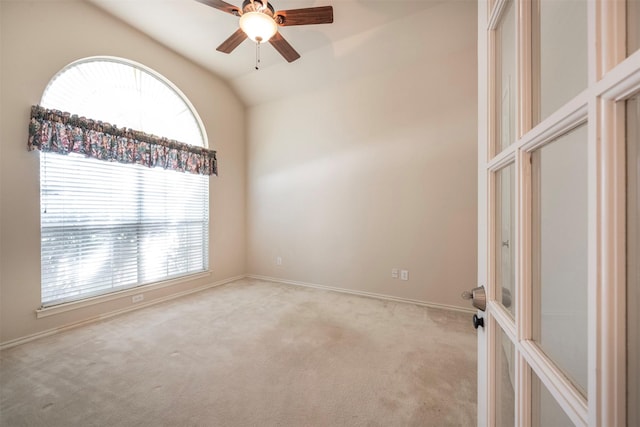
[{"x": 109, "y": 224}]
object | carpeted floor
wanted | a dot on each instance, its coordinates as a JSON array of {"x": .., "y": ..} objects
[{"x": 251, "y": 353}]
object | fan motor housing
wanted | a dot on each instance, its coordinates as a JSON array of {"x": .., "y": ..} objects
[{"x": 257, "y": 6}]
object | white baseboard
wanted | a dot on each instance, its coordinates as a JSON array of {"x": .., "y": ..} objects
[
  {"x": 22, "y": 340},
  {"x": 364, "y": 294}
]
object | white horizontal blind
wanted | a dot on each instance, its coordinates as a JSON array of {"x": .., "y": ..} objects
[{"x": 107, "y": 226}]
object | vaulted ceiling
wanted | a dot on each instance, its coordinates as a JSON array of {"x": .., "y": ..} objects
[{"x": 367, "y": 36}]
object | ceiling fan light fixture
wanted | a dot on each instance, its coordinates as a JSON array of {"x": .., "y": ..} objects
[{"x": 258, "y": 26}]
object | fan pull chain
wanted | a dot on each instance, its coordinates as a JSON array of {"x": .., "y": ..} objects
[{"x": 258, "y": 55}]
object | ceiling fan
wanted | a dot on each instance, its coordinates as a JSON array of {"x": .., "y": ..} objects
[{"x": 259, "y": 22}]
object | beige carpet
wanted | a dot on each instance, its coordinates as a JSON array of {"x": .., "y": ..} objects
[{"x": 251, "y": 353}]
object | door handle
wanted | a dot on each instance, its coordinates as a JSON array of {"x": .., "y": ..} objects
[
  {"x": 506, "y": 297},
  {"x": 477, "y": 296}
]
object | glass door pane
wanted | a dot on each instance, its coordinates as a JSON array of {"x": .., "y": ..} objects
[
  {"x": 505, "y": 95},
  {"x": 504, "y": 243},
  {"x": 633, "y": 263},
  {"x": 559, "y": 49},
  {"x": 545, "y": 411},
  {"x": 633, "y": 26},
  {"x": 505, "y": 381},
  {"x": 559, "y": 238}
]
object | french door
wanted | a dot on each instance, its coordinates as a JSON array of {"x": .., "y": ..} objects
[{"x": 558, "y": 131}]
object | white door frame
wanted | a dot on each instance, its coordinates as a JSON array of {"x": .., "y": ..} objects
[{"x": 612, "y": 78}]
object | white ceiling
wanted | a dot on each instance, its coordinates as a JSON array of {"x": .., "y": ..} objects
[{"x": 366, "y": 36}]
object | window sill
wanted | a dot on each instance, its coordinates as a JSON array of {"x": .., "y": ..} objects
[{"x": 75, "y": 305}]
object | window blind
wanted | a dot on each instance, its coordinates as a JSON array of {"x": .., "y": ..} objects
[{"x": 107, "y": 226}]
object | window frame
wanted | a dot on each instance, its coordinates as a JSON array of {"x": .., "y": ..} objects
[{"x": 55, "y": 306}]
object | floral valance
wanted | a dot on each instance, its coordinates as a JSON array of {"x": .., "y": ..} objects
[{"x": 58, "y": 132}]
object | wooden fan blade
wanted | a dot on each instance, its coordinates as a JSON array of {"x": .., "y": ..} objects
[
  {"x": 283, "y": 46},
  {"x": 310, "y": 15},
  {"x": 232, "y": 42},
  {"x": 221, "y": 5}
]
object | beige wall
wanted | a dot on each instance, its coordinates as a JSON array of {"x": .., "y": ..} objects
[
  {"x": 343, "y": 182},
  {"x": 37, "y": 40},
  {"x": 377, "y": 171}
]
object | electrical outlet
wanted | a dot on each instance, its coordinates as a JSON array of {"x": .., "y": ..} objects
[
  {"x": 137, "y": 298},
  {"x": 394, "y": 273},
  {"x": 404, "y": 274},
  {"x": 278, "y": 260}
]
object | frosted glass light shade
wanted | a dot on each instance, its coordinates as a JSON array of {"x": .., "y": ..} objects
[{"x": 258, "y": 26}]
